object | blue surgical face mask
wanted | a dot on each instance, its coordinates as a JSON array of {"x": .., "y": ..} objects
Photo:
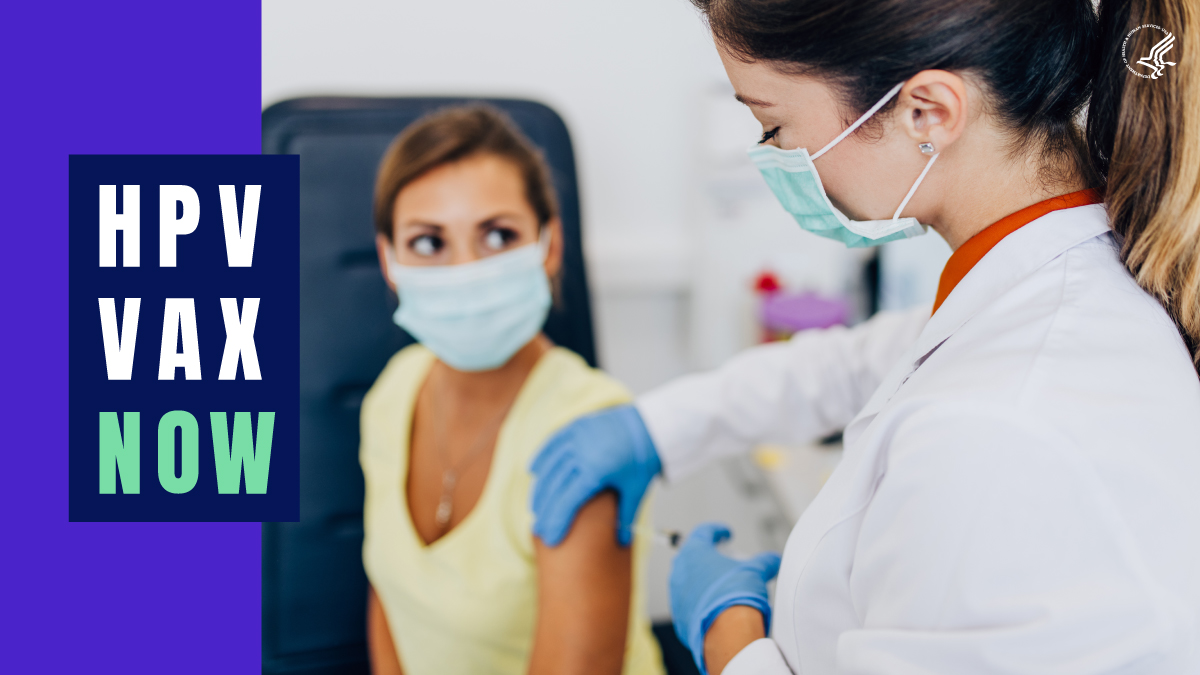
[
  {"x": 793, "y": 178},
  {"x": 475, "y": 316}
]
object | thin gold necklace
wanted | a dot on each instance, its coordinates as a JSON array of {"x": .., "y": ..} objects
[{"x": 450, "y": 474}]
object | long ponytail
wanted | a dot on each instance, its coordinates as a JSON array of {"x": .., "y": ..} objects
[{"x": 1144, "y": 135}]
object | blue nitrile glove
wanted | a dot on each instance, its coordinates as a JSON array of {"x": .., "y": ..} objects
[
  {"x": 705, "y": 583},
  {"x": 610, "y": 449}
]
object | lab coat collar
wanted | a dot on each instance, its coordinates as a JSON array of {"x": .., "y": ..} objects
[{"x": 1012, "y": 260}]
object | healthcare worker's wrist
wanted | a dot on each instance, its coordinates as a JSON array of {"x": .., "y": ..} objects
[
  {"x": 749, "y": 613},
  {"x": 732, "y": 630}
]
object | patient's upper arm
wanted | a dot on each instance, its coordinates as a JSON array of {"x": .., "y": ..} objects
[{"x": 584, "y": 587}]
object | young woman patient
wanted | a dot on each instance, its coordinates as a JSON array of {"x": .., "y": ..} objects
[{"x": 469, "y": 237}]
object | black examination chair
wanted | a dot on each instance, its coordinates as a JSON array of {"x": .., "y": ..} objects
[{"x": 314, "y": 587}]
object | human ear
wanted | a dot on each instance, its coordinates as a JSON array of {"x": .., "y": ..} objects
[
  {"x": 382, "y": 245},
  {"x": 933, "y": 108},
  {"x": 554, "y": 256}
]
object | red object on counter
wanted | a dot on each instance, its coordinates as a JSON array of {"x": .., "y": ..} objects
[
  {"x": 767, "y": 282},
  {"x": 781, "y": 314}
]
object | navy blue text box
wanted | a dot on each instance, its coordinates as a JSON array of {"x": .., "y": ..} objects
[{"x": 202, "y": 273}]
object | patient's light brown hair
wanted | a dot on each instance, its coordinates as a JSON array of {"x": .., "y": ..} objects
[{"x": 449, "y": 135}]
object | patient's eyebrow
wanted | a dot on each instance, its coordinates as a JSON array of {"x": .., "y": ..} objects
[
  {"x": 491, "y": 221},
  {"x": 434, "y": 228},
  {"x": 746, "y": 100}
]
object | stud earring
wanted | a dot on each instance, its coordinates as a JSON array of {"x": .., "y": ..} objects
[{"x": 926, "y": 148}]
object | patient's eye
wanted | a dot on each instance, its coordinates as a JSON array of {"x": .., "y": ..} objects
[
  {"x": 499, "y": 238},
  {"x": 426, "y": 245},
  {"x": 768, "y": 135}
]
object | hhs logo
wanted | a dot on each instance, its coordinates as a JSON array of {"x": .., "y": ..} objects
[
  {"x": 1155, "y": 61},
  {"x": 184, "y": 341}
]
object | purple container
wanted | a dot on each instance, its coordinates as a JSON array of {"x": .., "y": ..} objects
[{"x": 787, "y": 313}]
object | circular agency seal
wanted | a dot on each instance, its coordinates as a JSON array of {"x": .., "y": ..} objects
[{"x": 1155, "y": 61}]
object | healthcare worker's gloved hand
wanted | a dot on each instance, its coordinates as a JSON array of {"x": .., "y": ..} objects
[
  {"x": 705, "y": 583},
  {"x": 610, "y": 449}
]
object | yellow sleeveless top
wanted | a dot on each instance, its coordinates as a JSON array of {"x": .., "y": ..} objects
[{"x": 467, "y": 603}]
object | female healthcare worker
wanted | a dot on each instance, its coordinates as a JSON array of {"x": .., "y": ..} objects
[{"x": 1020, "y": 490}]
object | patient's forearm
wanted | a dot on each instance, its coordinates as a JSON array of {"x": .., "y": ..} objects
[
  {"x": 584, "y": 587},
  {"x": 382, "y": 650}
]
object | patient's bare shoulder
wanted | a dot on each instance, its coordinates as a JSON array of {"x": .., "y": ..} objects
[{"x": 584, "y": 587}]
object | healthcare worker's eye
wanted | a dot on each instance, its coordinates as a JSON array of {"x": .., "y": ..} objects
[
  {"x": 768, "y": 135},
  {"x": 499, "y": 238},
  {"x": 425, "y": 245}
]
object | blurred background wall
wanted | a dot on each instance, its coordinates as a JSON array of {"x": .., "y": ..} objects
[{"x": 677, "y": 222}]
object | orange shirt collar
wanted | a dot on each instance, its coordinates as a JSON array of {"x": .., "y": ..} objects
[{"x": 978, "y": 246}]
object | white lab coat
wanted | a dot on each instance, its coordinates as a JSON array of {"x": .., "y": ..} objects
[{"x": 1020, "y": 493}]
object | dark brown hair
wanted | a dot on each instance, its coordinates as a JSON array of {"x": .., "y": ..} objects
[
  {"x": 452, "y": 134},
  {"x": 1039, "y": 62}
]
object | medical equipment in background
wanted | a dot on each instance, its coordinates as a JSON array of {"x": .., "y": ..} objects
[
  {"x": 314, "y": 587},
  {"x": 783, "y": 313}
]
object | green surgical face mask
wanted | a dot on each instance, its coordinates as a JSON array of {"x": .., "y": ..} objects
[{"x": 793, "y": 178}]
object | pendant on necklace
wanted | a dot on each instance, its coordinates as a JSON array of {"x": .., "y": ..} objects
[{"x": 445, "y": 503}]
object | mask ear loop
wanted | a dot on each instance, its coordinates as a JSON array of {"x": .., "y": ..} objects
[
  {"x": 912, "y": 190},
  {"x": 859, "y": 122}
]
